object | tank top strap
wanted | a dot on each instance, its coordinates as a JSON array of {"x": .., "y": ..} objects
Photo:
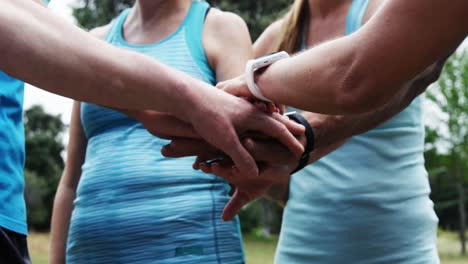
[
  {"x": 117, "y": 26},
  {"x": 355, "y": 16},
  {"x": 194, "y": 36}
]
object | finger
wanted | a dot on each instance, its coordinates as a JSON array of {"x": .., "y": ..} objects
[
  {"x": 205, "y": 168},
  {"x": 188, "y": 147},
  {"x": 281, "y": 108},
  {"x": 239, "y": 155},
  {"x": 270, "y": 151},
  {"x": 230, "y": 173},
  {"x": 163, "y": 125},
  {"x": 279, "y": 131},
  {"x": 293, "y": 127},
  {"x": 237, "y": 87},
  {"x": 262, "y": 106},
  {"x": 235, "y": 204}
]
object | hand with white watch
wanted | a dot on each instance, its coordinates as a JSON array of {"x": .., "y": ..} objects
[
  {"x": 261, "y": 63},
  {"x": 245, "y": 85}
]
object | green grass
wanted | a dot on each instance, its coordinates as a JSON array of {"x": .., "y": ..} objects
[{"x": 262, "y": 250}]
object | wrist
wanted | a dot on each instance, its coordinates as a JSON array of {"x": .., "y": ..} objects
[
  {"x": 254, "y": 68},
  {"x": 187, "y": 101},
  {"x": 270, "y": 82}
]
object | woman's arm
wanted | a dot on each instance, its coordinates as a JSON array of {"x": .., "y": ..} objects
[
  {"x": 227, "y": 44},
  {"x": 66, "y": 192},
  {"x": 363, "y": 71}
]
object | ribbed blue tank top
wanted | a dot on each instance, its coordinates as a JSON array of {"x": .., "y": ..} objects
[
  {"x": 135, "y": 206},
  {"x": 366, "y": 202}
]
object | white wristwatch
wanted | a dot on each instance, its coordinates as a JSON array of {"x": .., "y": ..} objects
[{"x": 261, "y": 62}]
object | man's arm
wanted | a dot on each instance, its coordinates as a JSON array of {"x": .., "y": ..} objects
[
  {"x": 37, "y": 44},
  {"x": 332, "y": 129},
  {"x": 42, "y": 49},
  {"x": 363, "y": 71}
]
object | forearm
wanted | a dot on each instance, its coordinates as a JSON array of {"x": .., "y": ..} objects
[
  {"x": 40, "y": 48},
  {"x": 332, "y": 131},
  {"x": 363, "y": 71},
  {"x": 63, "y": 207}
]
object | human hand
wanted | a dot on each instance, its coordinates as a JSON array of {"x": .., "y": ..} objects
[
  {"x": 238, "y": 87},
  {"x": 183, "y": 147},
  {"x": 220, "y": 121},
  {"x": 163, "y": 125},
  {"x": 276, "y": 164}
]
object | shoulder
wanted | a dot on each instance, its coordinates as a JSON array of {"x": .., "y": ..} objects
[
  {"x": 100, "y": 32},
  {"x": 267, "y": 40},
  {"x": 225, "y": 30},
  {"x": 225, "y": 23}
]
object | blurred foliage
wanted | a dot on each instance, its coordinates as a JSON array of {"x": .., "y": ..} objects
[
  {"x": 94, "y": 13},
  {"x": 257, "y": 14},
  {"x": 449, "y": 172},
  {"x": 44, "y": 164}
]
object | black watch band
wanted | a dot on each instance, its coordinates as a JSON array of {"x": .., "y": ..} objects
[{"x": 309, "y": 133}]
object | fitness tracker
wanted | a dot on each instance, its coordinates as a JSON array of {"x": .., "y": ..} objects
[
  {"x": 309, "y": 133},
  {"x": 261, "y": 62}
]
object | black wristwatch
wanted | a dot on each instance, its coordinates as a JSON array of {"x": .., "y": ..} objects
[{"x": 309, "y": 133}]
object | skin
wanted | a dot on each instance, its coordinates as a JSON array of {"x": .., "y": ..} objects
[
  {"x": 98, "y": 73},
  {"x": 372, "y": 65},
  {"x": 331, "y": 131},
  {"x": 228, "y": 46}
]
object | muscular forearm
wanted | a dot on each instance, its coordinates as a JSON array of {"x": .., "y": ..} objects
[
  {"x": 40, "y": 48},
  {"x": 332, "y": 131},
  {"x": 363, "y": 71}
]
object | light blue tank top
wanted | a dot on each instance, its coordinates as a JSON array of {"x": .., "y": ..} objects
[
  {"x": 135, "y": 206},
  {"x": 368, "y": 201}
]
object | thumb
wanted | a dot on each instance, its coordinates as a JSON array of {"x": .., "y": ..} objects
[{"x": 233, "y": 207}]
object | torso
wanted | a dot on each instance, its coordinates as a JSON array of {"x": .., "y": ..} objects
[
  {"x": 129, "y": 190},
  {"x": 366, "y": 202}
]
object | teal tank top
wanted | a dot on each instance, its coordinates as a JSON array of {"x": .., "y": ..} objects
[
  {"x": 368, "y": 201},
  {"x": 135, "y": 206}
]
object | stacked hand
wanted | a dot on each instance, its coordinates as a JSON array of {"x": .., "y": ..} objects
[{"x": 259, "y": 144}]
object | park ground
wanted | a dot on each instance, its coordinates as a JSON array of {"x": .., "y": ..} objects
[{"x": 261, "y": 250}]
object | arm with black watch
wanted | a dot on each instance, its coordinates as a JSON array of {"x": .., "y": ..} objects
[{"x": 310, "y": 138}]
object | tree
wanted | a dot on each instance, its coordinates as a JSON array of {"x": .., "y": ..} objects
[
  {"x": 95, "y": 13},
  {"x": 452, "y": 99},
  {"x": 257, "y": 14},
  {"x": 44, "y": 164}
]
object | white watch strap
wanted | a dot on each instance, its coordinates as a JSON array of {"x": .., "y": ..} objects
[
  {"x": 253, "y": 65},
  {"x": 253, "y": 88}
]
